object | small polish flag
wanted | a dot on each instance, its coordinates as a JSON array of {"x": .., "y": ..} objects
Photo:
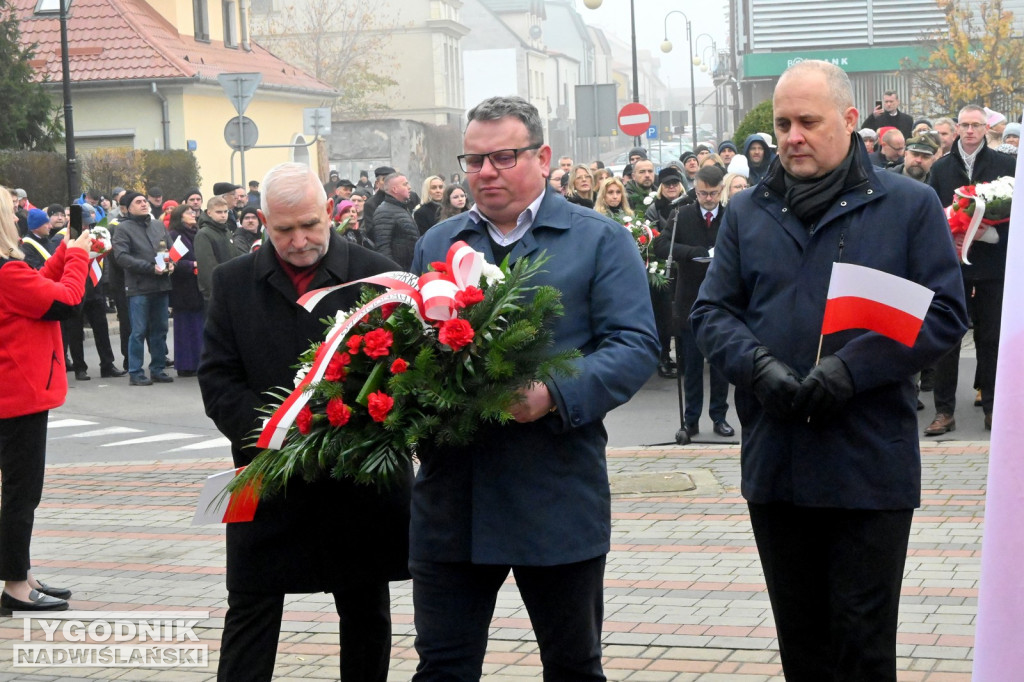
[
  {"x": 95, "y": 272},
  {"x": 178, "y": 249},
  {"x": 215, "y": 507},
  {"x": 865, "y": 298}
]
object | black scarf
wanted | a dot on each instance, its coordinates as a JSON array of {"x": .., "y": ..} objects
[{"x": 810, "y": 198}]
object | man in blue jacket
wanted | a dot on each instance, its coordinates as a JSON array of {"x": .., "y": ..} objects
[
  {"x": 831, "y": 465},
  {"x": 531, "y": 497}
]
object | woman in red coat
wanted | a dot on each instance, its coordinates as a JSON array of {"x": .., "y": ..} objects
[{"x": 34, "y": 381}]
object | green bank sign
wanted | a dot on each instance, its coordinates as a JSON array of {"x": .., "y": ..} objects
[{"x": 851, "y": 60}]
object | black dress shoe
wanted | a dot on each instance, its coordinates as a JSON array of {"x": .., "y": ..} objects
[
  {"x": 37, "y": 602},
  {"x": 186, "y": 372},
  {"x": 723, "y": 429},
  {"x": 140, "y": 381},
  {"x": 162, "y": 378},
  {"x": 169, "y": 363},
  {"x": 112, "y": 372},
  {"x": 667, "y": 370},
  {"x": 691, "y": 429},
  {"x": 81, "y": 375},
  {"x": 58, "y": 592}
]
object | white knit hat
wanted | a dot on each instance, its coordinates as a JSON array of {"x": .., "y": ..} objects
[{"x": 739, "y": 166}]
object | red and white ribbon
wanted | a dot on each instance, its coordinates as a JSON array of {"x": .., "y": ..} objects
[{"x": 431, "y": 296}]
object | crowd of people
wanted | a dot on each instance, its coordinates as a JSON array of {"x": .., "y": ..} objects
[{"x": 831, "y": 462}]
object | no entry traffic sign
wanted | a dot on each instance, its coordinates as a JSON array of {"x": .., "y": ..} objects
[{"x": 634, "y": 119}]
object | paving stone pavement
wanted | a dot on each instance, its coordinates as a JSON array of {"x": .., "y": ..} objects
[{"x": 685, "y": 596}]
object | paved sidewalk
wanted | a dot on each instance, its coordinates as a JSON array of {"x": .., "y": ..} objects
[{"x": 685, "y": 597}]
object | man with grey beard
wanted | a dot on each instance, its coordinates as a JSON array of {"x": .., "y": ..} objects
[{"x": 921, "y": 152}]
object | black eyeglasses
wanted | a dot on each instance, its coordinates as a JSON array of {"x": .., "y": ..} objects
[{"x": 502, "y": 159}]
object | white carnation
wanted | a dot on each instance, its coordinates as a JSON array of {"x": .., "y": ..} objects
[
  {"x": 301, "y": 373},
  {"x": 492, "y": 274},
  {"x": 648, "y": 200}
]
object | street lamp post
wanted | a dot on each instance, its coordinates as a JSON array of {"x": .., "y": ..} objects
[
  {"x": 60, "y": 8},
  {"x": 666, "y": 47},
  {"x": 594, "y": 4},
  {"x": 709, "y": 65}
]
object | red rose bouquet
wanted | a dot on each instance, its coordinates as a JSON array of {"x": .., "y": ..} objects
[
  {"x": 977, "y": 211},
  {"x": 100, "y": 242},
  {"x": 428, "y": 361}
]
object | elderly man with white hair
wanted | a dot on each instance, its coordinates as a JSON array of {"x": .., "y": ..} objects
[{"x": 323, "y": 536}]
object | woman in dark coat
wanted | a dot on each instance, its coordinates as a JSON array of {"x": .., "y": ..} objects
[
  {"x": 581, "y": 187},
  {"x": 426, "y": 215},
  {"x": 34, "y": 381},
  {"x": 186, "y": 301}
]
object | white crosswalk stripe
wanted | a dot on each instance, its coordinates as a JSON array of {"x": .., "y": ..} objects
[
  {"x": 109, "y": 431},
  {"x": 65, "y": 423},
  {"x": 156, "y": 438},
  {"x": 220, "y": 442}
]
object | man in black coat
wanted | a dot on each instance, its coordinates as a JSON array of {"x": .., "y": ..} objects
[
  {"x": 971, "y": 161},
  {"x": 695, "y": 232},
  {"x": 394, "y": 230},
  {"x": 889, "y": 114},
  {"x": 325, "y": 536}
]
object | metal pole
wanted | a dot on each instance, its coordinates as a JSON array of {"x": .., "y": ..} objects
[
  {"x": 241, "y": 136},
  {"x": 636, "y": 74},
  {"x": 693, "y": 87},
  {"x": 69, "y": 125}
]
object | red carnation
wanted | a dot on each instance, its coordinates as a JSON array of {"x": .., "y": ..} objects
[
  {"x": 468, "y": 296},
  {"x": 456, "y": 333},
  {"x": 379, "y": 404},
  {"x": 338, "y": 413},
  {"x": 439, "y": 266},
  {"x": 655, "y": 232},
  {"x": 353, "y": 343},
  {"x": 387, "y": 309},
  {"x": 399, "y": 366},
  {"x": 336, "y": 367},
  {"x": 642, "y": 239},
  {"x": 304, "y": 420},
  {"x": 377, "y": 343}
]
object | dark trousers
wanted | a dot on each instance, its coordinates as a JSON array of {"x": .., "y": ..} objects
[
  {"x": 987, "y": 308},
  {"x": 93, "y": 311},
  {"x": 833, "y": 579},
  {"x": 693, "y": 381},
  {"x": 453, "y": 604},
  {"x": 22, "y": 466},
  {"x": 661, "y": 301},
  {"x": 252, "y": 627}
]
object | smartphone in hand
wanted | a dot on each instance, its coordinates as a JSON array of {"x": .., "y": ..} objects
[{"x": 75, "y": 228}]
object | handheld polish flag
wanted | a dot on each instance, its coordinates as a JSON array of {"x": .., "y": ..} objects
[
  {"x": 217, "y": 506},
  {"x": 178, "y": 249},
  {"x": 95, "y": 272},
  {"x": 865, "y": 298}
]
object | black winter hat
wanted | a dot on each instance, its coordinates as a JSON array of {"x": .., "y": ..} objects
[{"x": 129, "y": 196}]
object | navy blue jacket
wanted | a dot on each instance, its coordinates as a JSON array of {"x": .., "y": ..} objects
[
  {"x": 767, "y": 285},
  {"x": 537, "y": 494}
]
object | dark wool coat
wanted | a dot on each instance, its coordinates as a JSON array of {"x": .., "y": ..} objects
[
  {"x": 988, "y": 261},
  {"x": 767, "y": 286},
  {"x": 316, "y": 536},
  {"x": 185, "y": 296},
  {"x": 693, "y": 240}
]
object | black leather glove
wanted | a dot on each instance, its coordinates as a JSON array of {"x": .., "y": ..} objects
[
  {"x": 825, "y": 389},
  {"x": 774, "y": 383}
]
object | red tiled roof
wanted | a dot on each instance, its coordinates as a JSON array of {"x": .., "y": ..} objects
[{"x": 117, "y": 40}]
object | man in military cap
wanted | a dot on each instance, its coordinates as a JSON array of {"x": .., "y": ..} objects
[{"x": 921, "y": 152}]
